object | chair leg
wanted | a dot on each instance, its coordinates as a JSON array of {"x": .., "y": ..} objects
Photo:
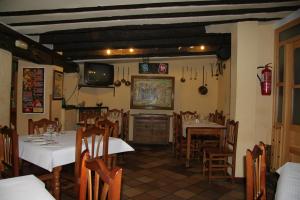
[
  {"x": 209, "y": 169},
  {"x": 203, "y": 164}
]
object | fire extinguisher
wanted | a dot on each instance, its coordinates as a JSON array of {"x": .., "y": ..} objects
[{"x": 265, "y": 79}]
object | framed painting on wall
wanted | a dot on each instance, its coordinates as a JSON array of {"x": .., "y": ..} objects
[
  {"x": 152, "y": 92},
  {"x": 57, "y": 93},
  {"x": 33, "y": 90}
]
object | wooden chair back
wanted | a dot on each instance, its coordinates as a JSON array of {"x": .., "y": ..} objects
[
  {"x": 232, "y": 128},
  {"x": 114, "y": 115},
  {"x": 219, "y": 118},
  {"x": 40, "y": 126},
  {"x": 256, "y": 172},
  {"x": 113, "y": 127},
  {"x": 211, "y": 117},
  {"x": 96, "y": 169},
  {"x": 125, "y": 126},
  {"x": 188, "y": 115},
  {"x": 97, "y": 136},
  {"x": 175, "y": 130},
  {"x": 9, "y": 150}
]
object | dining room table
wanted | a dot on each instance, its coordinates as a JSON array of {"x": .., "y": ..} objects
[
  {"x": 288, "y": 184},
  {"x": 53, "y": 151},
  {"x": 24, "y": 187},
  {"x": 200, "y": 127}
]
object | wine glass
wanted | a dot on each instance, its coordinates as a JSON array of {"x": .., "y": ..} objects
[{"x": 50, "y": 129}]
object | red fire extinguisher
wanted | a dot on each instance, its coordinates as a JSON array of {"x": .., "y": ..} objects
[{"x": 265, "y": 79}]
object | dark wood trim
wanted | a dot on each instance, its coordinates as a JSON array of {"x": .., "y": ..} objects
[
  {"x": 153, "y": 43},
  {"x": 122, "y": 34},
  {"x": 165, "y": 52},
  {"x": 56, "y": 33},
  {"x": 137, "y": 6},
  {"x": 163, "y": 15},
  {"x": 36, "y": 52}
]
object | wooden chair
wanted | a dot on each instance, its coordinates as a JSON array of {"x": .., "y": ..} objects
[
  {"x": 115, "y": 115},
  {"x": 96, "y": 169},
  {"x": 256, "y": 172},
  {"x": 181, "y": 143},
  {"x": 125, "y": 126},
  {"x": 9, "y": 152},
  {"x": 40, "y": 126},
  {"x": 211, "y": 117},
  {"x": 219, "y": 118},
  {"x": 213, "y": 141},
  {"x": 188, "y": 115},
  {"x": 216, "y": 159},
  {"x": 176, "y": 138},
  {"x": 97, "y": 135},
  {"x": 113, "y": 127}
]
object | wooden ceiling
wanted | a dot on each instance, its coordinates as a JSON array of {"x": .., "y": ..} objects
[{"x": 86, "y": 30}]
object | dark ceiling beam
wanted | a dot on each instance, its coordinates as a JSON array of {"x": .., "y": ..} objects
[
  {"x": 156, "y": 43},
  {"x": 36, "y": 52},
  {"x": 121, "y": 35},
  {"x": 163, "y": 15},
  {"x": 137, "y": 6},
  {"x": 139, "y": 53}
]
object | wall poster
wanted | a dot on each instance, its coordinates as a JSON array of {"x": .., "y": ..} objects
[
  {"x": 33, "y": 90},
  {"x": 58, "y": 78}
]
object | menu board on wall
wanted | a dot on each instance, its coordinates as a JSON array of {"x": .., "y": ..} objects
[{"x": 33, "y": 90}]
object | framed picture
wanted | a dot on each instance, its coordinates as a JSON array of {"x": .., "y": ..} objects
[
  {"x": 58, "y": 78},
  {"x": 33, "y": 90},
  {"x": 152, "y": 92},
  {"x": 153, "y": 68}
]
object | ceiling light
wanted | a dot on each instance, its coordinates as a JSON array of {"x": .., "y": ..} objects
[
  {"x": 191, "y": 47},
  {"x": 202, "y": 47},
  {"x": 131, "y": 50},
  {"x": 108, "y": 51},
  {"x": 21, "y": 44}
]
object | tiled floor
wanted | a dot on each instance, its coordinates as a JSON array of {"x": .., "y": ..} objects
[{"x": 152, "y": 172}]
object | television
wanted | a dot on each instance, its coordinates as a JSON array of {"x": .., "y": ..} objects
[{"x": 98, "y": 74}]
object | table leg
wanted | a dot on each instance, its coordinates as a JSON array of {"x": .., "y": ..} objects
[
  {"x": 188, "y": 149},
  {"x": 56, "y": 182}
]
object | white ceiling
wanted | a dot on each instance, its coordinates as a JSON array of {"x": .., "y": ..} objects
[{"x": 100, "y": 18}]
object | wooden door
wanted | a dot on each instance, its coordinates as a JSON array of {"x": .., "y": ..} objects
[
  {"x": 293, "y": 101},
  {"x": 286, "y": 121}
]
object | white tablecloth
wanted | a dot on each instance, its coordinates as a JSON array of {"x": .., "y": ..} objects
[
  {"x": 23, "y": 188},
  {"x": 199, "y": 123},
  {"x": 288, "y": 185},
  {"x": 62, "y": 153}
]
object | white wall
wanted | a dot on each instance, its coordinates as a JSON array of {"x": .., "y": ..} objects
[
  {"x": 252, "y": 46},
  {"x": 5, "y": 77}
]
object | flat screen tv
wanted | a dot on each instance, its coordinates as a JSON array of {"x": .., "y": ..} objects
[{"x": 98, "y": 74}]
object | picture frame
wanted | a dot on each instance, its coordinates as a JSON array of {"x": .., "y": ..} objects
[
  {"x": 57, "y": 89},
  {"x": 33, "y": 91},
  {"x": 152, "y": 92}
]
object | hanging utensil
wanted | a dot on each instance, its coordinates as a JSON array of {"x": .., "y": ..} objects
[
  {"x": 191, "y": 77},
  {"x": 212, "y": 69},
  {"x": 196, "y": 73},
  {"x": 128, "y": 83},
  {"x": 182, "y": 80},
  {"x": 203, "y": 89},
  {"x": 117, "y": 83},
  {"x": 123, "y": 79}
]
